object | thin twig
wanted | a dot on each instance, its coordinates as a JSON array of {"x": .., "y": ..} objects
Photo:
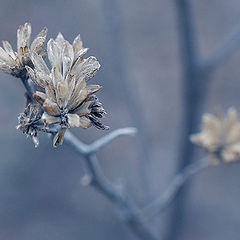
[
  {"x": 92, "y": 148},
  {"x": 116, "y": 194},
  {"x": 102, "y": 142},
  {"x": 223, "y": 51},
  {"x": 160, "y": 204}
]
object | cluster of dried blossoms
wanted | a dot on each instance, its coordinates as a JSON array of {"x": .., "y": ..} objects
[
  {"x": 220, "y": 136},
  {"x": 63, "y": 99}
]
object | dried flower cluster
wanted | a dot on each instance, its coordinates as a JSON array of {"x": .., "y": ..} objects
[
  {"x": 14, "y": 62},
  {"x": 220, "y": 136},
  {"x": 63, "y": 98}
]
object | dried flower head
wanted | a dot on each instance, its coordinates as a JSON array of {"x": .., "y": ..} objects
[
  {"x": 67, "y": 99},
  {"x": 27, "y": 122},
  {"x": 14, "y": 62},
  {"x": 220, "y": 136}
]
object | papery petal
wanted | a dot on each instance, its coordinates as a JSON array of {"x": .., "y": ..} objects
[
  {"x": 75, "y": 102},
  {"x": 79, "y": 86},
  {"x": 62, "y": 93},
  {"x": 58, "y": 138},
  {"x": 4, "y": 57},
  {"x": 49, "y": 120},
  {"x": 50, "y": 92},
  {"x": 60, "y": 40},
  {"x": 8, "y": 48},
  {"x": 77, "y": 46},
  {"x": 39, "y": 97},
  {"x": 84, "y": 122},
  {"x": 85, "y": 69},
  {"x": 39, "y": 64},
  {"x": 93, "y": 89},
  {"x": 5, "y": 67},
  {"x": 73, "y": 120},
  {"x": 38, "y": 43},
  {"x": 51, "y": 108},
  {"x": 84, "y": 108},
  {"x": 26, "y": 35},
  {"x": 54, "y": 54}
]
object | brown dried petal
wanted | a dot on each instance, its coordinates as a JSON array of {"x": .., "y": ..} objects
[
  {"x": 58, "y": 138},
  {"x": 77, "y": 46},
  {"x": 62, "y": 93},
  {"x": 38, "y": 43},
  {"x": 83, "y": 109},
  {"x": 50, "y": 92},
  {"x": 39, "y": 64},
  {"x": 8, "y": 48},
  {"x": 51, "y": 108},
  {"x": 53, "y": 54},
  {"x": 73, "y": 120},
  {"x": 86, "y": 69},
  {"x": 93, "y": 89},
  {"x": 48, "y": 119},
  {"x": 39, "y": 97},
  {"x": 83, "y": 94},
  {"x": 84, "y": 122}
]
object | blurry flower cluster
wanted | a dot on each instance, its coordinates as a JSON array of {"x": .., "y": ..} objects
[
  {"x": 63, "y": 98},
  {"x": 220, "y": 136}
]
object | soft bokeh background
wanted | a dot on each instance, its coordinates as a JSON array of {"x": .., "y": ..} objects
[{"x": 136, "y": 42}]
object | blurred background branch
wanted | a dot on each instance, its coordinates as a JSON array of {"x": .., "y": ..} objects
[{"x": 195, "y": 82}]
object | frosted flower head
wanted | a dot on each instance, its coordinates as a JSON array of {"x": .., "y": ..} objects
[
  {"x": 220, "y": 136},
  {"x": 27, "y": 122},
  {"x": 14, "y": 62},
  {"x": 67, "y": 99}
]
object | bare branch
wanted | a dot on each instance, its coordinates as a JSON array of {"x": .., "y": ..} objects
[
  {"x": 102, "y": 142},
  {"x": 225, "y": 49},
  {"x": 90, "y": 149},
  {"x": 116, "y": 194},
  {"x": 158, "y": 205}
]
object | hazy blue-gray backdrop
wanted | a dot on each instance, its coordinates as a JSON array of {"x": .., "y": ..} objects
[{"x": 136, "y": 42}]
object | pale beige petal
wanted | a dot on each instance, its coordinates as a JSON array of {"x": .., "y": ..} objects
[
  {"x": 71, "y": 80},
  {"x": 67, "y": 64},
  {"x": 38, "y": 43},
  {"x": 231, "y": 153},
  {"x": 51, "y": 108},
  {"x": 93, "y": 89},
  {"x": 4, "y": 57},
  {"x": 86, "y": 69},
  {"x": 232, "y": 127},
  {"x": 26, "y": 35},
  {"x": 19, "y": 38},
  {"x": 41, "y": 78},
  {"x": 68, "y": 56},
  {"x": 60, "y": 40},
  {"x": 54, "y": 54},
  {"x": 83, "y": 94},
  {"x": 40, "y": 97},
  {"x": 38, "y": 81},
  {"x": 84, "y": 109},
  {"x": 79, "y": 86},
  {"x": 39, "y": 64},
  {"x": 8, "y": 48},
  {"x": 73, "y": 120},
  {"x": 62, "y": 94},
  {"x": 49, "y": 120},
  {"x": 85, "y": 122},
  {"x": 50, "y": 92},
  {"x": 77, "y": 46},
  {"x": 58, "y": 138},
  {"x": 5, "y": 67}
]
